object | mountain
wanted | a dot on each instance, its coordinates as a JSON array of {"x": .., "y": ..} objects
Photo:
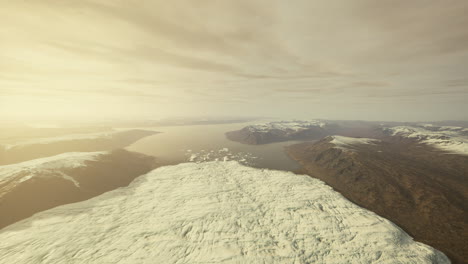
[
  {"x": 278, "y": 131},
  {"x": 446, "y": 138},
  {"x": 213, "y": 212},
  {"x": 415, "y": 181},
  {"x": 271, "y": 132},
  {"x": 86, "y": 142},
  {"x": 36, "y": 185}
]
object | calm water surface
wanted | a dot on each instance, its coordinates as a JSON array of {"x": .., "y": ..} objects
[{"x": 199, "y": 143}]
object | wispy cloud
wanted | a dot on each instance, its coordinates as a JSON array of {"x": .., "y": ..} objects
[{"x": 234, "y": 56}]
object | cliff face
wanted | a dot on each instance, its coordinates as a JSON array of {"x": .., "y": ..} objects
[{"x": 419, "y": 188}]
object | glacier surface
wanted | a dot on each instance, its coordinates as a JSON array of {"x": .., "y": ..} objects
[{"x": 213, "y": 212}]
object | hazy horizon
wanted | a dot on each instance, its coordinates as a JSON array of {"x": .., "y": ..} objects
[
  {"x": 206, "y": 131},
  {"x": 342, "y": 60}
]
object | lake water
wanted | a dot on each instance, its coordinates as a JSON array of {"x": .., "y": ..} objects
[{"x": 198, "y": 143}]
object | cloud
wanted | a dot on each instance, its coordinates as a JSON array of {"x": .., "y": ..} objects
[
  {"x": 213, "y": 54},
  {"x": 413, "y": 29},
  {"x": 370, "y": 84},
  {"x": 460, "y": 82}
]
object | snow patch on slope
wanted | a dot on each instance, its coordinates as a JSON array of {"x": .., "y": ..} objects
[
  {"x": 346, "y": 143},
  {"x": 446, "y": 138},
  {"x": 47, "y": 167},
  {"x": 213, "y": 212}
]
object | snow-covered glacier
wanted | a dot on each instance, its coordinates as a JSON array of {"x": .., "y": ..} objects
[{"x": 213, "y": 212}]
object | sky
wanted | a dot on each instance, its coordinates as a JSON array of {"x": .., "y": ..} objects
[{"x": 358, "y": 59}]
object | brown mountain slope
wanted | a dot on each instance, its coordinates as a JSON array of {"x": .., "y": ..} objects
[
  {"x": 24, "y": 152},
  {"x": 28, "y": 188},
  {"x": 422, "y": 190},
  {"x": 271, "y": 132}
]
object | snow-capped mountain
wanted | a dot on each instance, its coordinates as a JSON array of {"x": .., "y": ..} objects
[
  {"x": 67, "y": 137},
  {"x": 279, "y": 131},
  {"x": 447, "y": 138},
  {"x": 347, "y": 143},
  {"x": 84, "y": 142},
  {"x": 304, "y": 130},
  {"x": 288, "y": 126},
  {"x": 36, "y": 185},
  {"x": 400, "y": 179},
  {"x": 50, "y": 167},
  {"x": 213, "y": 212}
]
